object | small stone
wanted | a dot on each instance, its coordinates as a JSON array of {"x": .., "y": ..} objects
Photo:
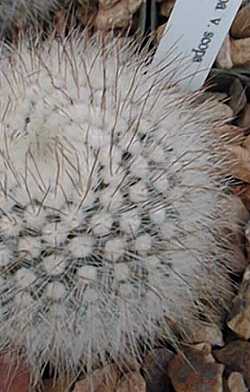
[
  {"x": 132, "y": 382},
  {"x": 166, "y": 8},
  {"x": 241, "y": 162},
  {"x": 208, "y": 334},
  {"x": 244, "y": 121},
  {"x": 160, "y": 32},
  {"x": 244, "y": 192},
  {"x": 101, "y": 380},
  {"x": 192, "y": 372},
  {"x": 246, "y": 143},
  {"x": 246, "y": 276},
  {"x": 118, "y": 16},
  {"x": 14, "y": 377},
  {"x": 206, "y": 350},
  {"x": 134, "y": 5},
  {"x": 236, "y": 355},
  {"x": 224, "y": 59},
  {"x": 236, "y": 383},
  {"x": 238, "y": 99},
  {"x": 86, "y": 15},
  {"x": 239, "y": 211},
  {"x": 155, "y": 366},
  {"x": 241, "y": 25},
  {"x": 240, "y": 52},
  {"x": 239, "y": 319}
]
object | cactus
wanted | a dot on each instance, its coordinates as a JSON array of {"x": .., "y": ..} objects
[{"x": 110, "y": 222}]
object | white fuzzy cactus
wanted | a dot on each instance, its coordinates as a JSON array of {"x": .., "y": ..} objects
[{"x": 109, "y": 218}]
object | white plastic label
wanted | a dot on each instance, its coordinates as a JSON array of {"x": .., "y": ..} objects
[{"x": 193, "y": 37}]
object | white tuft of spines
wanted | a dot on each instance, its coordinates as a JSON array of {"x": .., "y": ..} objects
[{"x": 110, "y": 219}]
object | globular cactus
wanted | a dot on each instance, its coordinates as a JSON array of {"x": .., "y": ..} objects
[{"x": 110, "y": 222}]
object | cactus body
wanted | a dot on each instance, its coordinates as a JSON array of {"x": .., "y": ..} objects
[{"x": 109, "y": 219}]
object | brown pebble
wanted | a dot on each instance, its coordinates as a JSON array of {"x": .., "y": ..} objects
[
  {"x": 14, "y": 377},
  {"x": 166, "y": 8},
  {"x": 194, "y": 373},
  {"x": 118, "y": 16},
  {"x": 132, "y": 382},
  {"x": 155, "y": 367},
  {"x": 244, "y": 120},
  {"x": 236, "y": 383},
  {"x": 236, "y": 356},
  {"x": 224, "y": 59},
  {"x": 101, "y": 380},
  {"x": 241, "y": 25},
  {"x": 240, "y": 52},
  {"x": 239, "y": 318}
]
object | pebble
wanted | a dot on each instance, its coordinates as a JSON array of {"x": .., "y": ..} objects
[
  {"x": 239, "y": 211},
  {"x": 155, "y": 367},
  {"x": 236, "y": 383},
  {"x": 240, "y": 52},
  {"x": 239, "y": 318},
  {"x": 241, "y": 25},
  {"x": 166, "y": 8},
  {"x": 132, "y": 382},
  {"x": 118, "y": 16},
  {"x": 244, "y": 120},
  {"x": 195, "y": 372},
  {"x": 244, "y": 192},
  {"x": 238, "y": 98},
  {"x": 207, "y": 334},
  {"x": 101, "y": 380},
  {"x": 14, "y": 377},
  {"x": 236, "y": 356},
  {"x": 224, "y": 59},
  {"x": 241, "y": 162}
]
